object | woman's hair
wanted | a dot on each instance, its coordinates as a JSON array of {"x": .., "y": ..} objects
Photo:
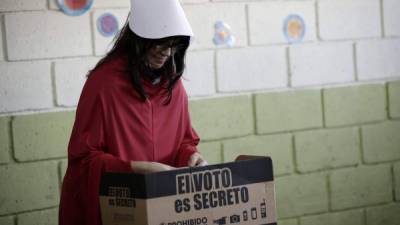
[{"x": 136, "y": 49}]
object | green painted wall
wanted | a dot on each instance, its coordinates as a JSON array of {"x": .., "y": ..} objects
[{"x": 336, "y": 153}]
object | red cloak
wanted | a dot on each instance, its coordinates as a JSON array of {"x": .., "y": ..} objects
[{"x": 113, "y": 126}]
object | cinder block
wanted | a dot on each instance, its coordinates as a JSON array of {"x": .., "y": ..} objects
[
  {"x": 233, "y": 14},
  {"x": 396, "y": 170},
  {"x": 353, "y": 217},
  {"x": 387, "y": 215},
  {"x": 363, "y": 186},
  {"x": 289, "y": 110},
  {"x": 100, "y": 4},
  {"x": 110, "y": 4},
  {"x": 381, "y": 142},
  {"x": 378, "y": 59},
  {"x": 7, "y": 220},
  {"x": 354, "y": 104},
  {"x": 326, "y": 149},
  {"x": 18, "y": 5},
  {"x": 43, "y": 217},
  {"x": 222, "y": 0},
  {"x": 42, "y": 136},
  {"x": 104, "y": 44},
  {"x": 39, "y": 178},
  {"x": 5, "y": 145},
  {"x": 349, "y": 20},
  {"x": 251, "y": 68},
  {"x": 25, "y": 85},
  {"x": 70, "y": 76},
  {"x": 317, "y": 64},
  {"x": 199, "y": 76},
  {"x": 278, "y": 147},
  {"x": 194, "y": 1},
  {"x": 267, "y": 19},
  {"x": 47, "y": 34},
  {"x": 288, "y": 222},
  {"x": 211, "y": 151},
  {"x": 391, "y": 16},
  {"x": 299, "y": 195},
  {"x": 224, "y": 117},
  {"x": 394, "y": 99}
]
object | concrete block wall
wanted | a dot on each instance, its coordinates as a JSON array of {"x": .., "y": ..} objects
[
  {"x": 329, "y": 171},
  {"x": 326, "y": 108}
]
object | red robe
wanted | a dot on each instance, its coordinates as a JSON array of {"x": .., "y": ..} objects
[{"x": 114, "y": 126}]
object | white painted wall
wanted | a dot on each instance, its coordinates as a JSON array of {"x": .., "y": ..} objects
[{"x": 45, "y": 54}]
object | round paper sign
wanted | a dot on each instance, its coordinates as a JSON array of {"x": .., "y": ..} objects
[
  {"x": 107, "y": 25},
  {"x": 223, "y": 35},
  {"x": 74, "y": 7},
  {"x": 294, "y": 28}
]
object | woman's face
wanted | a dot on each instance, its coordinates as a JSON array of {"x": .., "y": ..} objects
[
  {"x": 158, "y": 55},
  {"x": 161, "y": 52}
]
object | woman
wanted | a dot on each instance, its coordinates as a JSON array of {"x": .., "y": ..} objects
[{"x": 132, "y": 115}]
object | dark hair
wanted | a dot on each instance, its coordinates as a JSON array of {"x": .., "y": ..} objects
[{"x": 136, "y": 49}]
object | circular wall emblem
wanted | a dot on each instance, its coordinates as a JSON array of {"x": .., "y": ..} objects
[
  {"x": 74, "y": 7},
  {"x": 107, "y": 25},
  {"x": 294, "y": 28},
  {"x": 223, "y": 35}
]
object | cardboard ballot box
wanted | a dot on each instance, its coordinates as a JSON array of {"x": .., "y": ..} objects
[{"x": 240, "y": 192}]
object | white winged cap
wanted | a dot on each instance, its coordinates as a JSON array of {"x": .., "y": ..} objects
[{"x": 155, "y": 19}]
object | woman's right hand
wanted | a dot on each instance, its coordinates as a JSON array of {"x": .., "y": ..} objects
[{"x": 143, "y": 167}]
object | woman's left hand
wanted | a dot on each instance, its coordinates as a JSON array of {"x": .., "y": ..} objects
[{"x": 197, "y": 160}]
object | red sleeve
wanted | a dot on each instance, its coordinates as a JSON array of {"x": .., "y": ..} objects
[
  {"x": 188, "y": 147},
  {"x": 87, "y": 160},
  {"x": 190, "y": 139},
  {"x": 88, "y": 143}
]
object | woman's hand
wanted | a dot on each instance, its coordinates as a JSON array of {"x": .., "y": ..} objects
[
  {"x": 143, "y": 167},
  {"x": 197, "y": 160}
]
